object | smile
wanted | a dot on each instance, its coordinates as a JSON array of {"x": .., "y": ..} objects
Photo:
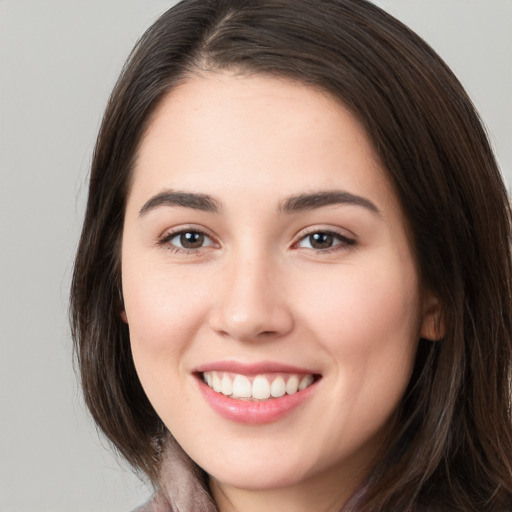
[
  {"x": 257, "y": 387},
  {"x": 255, "y": 393}
]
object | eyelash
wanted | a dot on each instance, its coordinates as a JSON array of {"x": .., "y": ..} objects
[
  {"x": 166, "y": 239},
  {"x": 344, "y": 241}
]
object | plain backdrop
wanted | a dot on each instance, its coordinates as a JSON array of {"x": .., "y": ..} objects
[{"x": 58, "y": 62}]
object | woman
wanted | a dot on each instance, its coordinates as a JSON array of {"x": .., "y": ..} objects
[{"x": 292, "y": 290}]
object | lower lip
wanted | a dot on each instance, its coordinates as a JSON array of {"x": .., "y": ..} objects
[{"x": 254, "y": 413}]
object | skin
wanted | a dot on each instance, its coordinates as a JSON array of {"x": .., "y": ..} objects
[{"x": 257, "y": 290}]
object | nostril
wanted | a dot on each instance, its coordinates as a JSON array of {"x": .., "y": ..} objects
[{"x": 246, "y": 320}]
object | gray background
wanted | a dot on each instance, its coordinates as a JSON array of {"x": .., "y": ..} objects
[{"x": 58, "y": 61}]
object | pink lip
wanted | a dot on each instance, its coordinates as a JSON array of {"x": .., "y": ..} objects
[
  {"x": 259, "y": 412},
  {"x": 253, "y": 368}
]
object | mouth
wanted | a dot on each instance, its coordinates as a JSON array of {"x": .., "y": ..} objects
[
  {"x": 256, "y": 393},
  {"x": 259, "y": 387}
]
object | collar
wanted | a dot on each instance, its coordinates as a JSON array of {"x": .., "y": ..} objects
[{"x": 182, "y": 486}]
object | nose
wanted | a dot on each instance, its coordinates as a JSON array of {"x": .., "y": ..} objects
[{"x": 252, "y": 304}]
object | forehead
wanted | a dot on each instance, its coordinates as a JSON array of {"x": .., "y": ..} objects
[{"x": 221, "y": 131}]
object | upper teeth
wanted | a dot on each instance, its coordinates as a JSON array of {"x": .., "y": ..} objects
[{"x": 259, "y": 387}]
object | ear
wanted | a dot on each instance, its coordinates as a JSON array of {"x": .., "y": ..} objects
[
  {"x": 124, "y": 318},
  {"x": 432, "y": 320}
]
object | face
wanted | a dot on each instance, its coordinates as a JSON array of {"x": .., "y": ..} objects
[{"x": 272, "y": 299}]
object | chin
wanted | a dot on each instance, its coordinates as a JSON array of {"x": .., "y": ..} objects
[{"x": 265, "y": 477}]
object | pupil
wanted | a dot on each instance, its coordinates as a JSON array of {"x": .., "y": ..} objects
[
  {"x": 191, "y": 240},
  {"x": 321, "y": 240}
]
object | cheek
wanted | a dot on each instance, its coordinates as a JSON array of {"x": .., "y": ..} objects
[
  {"x": 163, "y": 316},
  {"x": 367, "y": 303},
  {"x": 159, "y": 305},
  {"x": 368, "y": 322}
]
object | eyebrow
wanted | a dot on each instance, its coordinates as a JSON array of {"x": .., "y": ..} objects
[
  {"x": 326, "y": 198},
  {"x": 297, "y": 203},
  {"x": 202, "y": 202}
]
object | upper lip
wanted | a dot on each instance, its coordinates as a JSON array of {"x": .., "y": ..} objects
[{"x": 252, "y": 368}]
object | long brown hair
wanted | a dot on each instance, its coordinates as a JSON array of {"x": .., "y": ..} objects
[{"x": 453, "y": 449}]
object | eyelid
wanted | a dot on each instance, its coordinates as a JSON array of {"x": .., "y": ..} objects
[
  {"x": 168, "y": 235},
  {"x": 339, "y": 233}
]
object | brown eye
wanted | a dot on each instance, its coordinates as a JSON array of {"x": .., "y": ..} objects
[
  {"x": 191, "y": 240},
  {"x": 321, "y": 240},
  {"x": 325, "y": 240},
  {"x": 187, "y": 240}
]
